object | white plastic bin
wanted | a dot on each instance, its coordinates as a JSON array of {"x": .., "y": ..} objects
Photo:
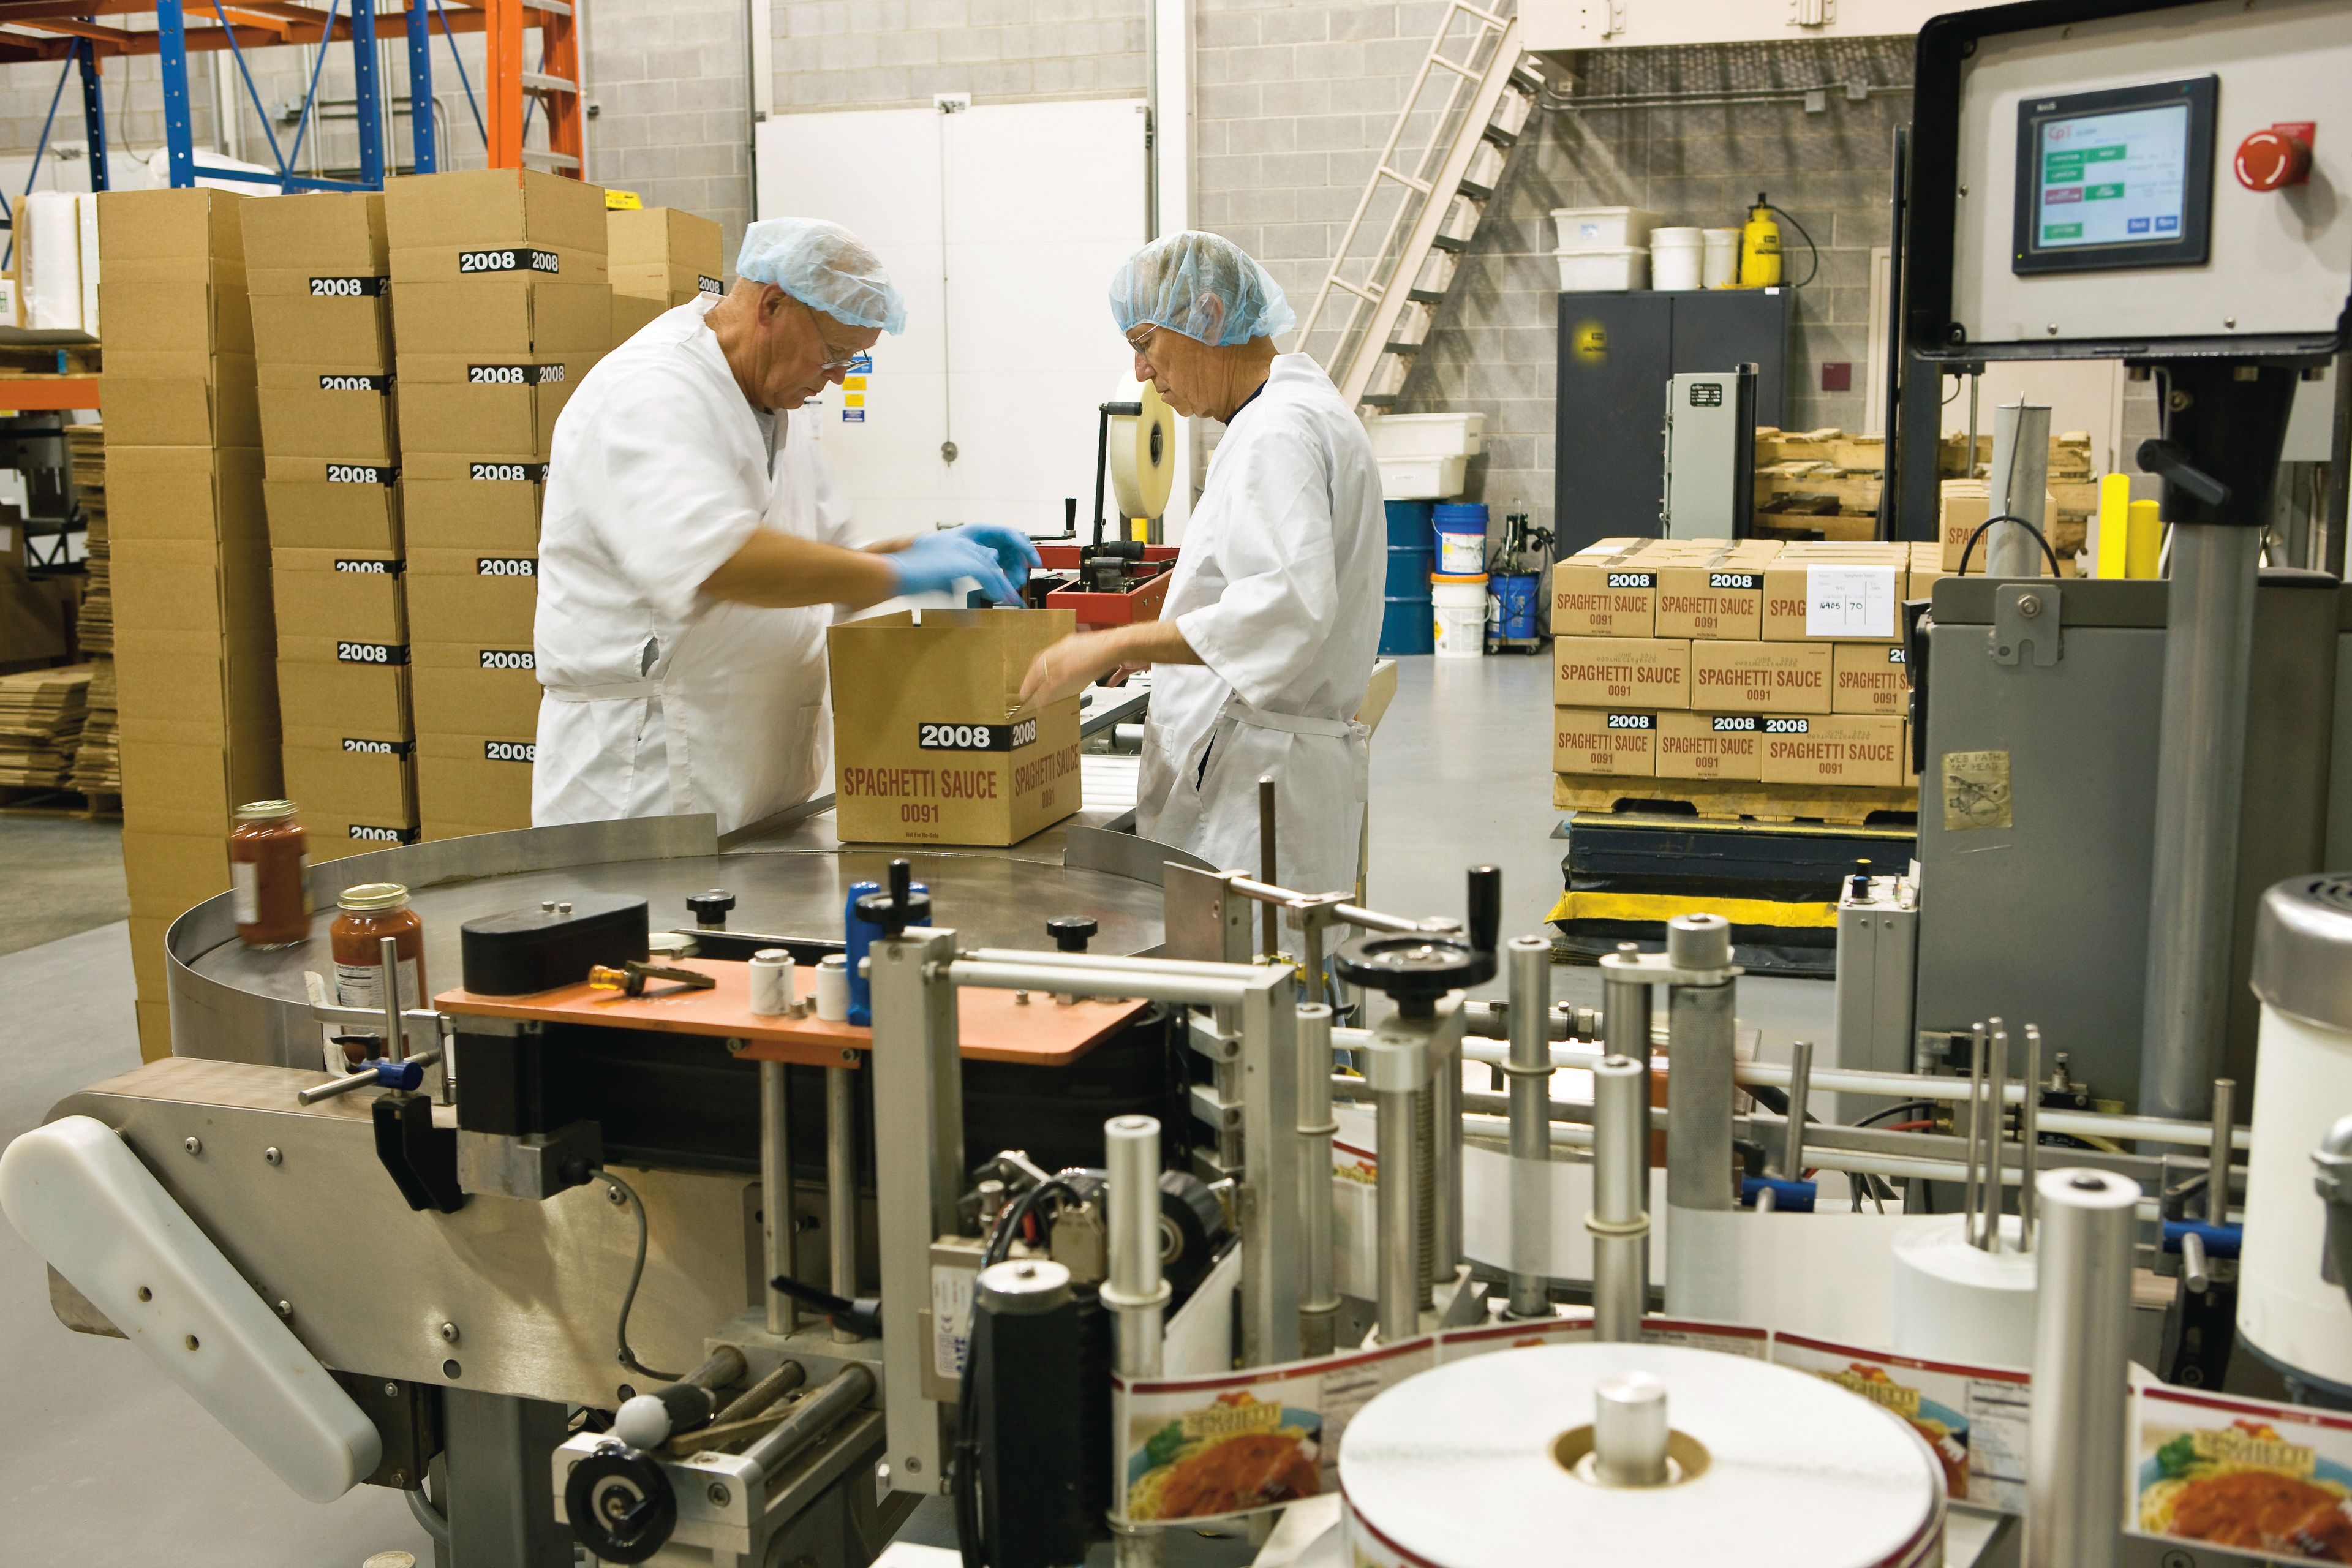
[
  {"x": 1603, "y": 271},
  {"x": 1603, "y": 228},
  {"x": 1425, "y": 435},
  {"x": 1422, "y": 479},
  {"x": 1677, "y": 256}
]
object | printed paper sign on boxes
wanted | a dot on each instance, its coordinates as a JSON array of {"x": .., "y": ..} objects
[{"x": 930, "y": 744}]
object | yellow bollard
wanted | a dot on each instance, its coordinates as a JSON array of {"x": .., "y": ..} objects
[
  {"x": 2109, "y": 547},
  {"x": 2144, "y": 540}
]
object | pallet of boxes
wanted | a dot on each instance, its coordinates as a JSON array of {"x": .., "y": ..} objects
[
  {"x": 499, "y": 304},
  {"x": 323, "y": 348},
  {"x": 658, "y": 258},
  {"x": 195, "y": 658},
  {"x": 1740, "y": 678}
]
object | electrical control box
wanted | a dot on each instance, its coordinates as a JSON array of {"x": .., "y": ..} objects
[{"x": 1710, "y": 488}]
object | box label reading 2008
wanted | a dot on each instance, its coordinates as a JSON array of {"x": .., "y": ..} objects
[
  {"x": 516, "y": 258},
  {"x": 364, "y": 747},
  {"x": 510, "y": 473},
  {"x": 361, "y": 474},
  {"x": 975, "y": 737},
  {"x": 346, "y": 288},
  {"x": 371, "y": 653},
  {"x": 509, "y": 659},
  {"x": 516, "y": 374},
  {"x": 509, "y": 750},
  {"x": 355, "y": 383}
]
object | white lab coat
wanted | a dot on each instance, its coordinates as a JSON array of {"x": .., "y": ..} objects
[
  {"x": 1278, "y": 591},
  {"x": 657, "y": 699}
]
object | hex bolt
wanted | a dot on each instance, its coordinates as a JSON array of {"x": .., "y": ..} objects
[
  {"x": 285, "y": 1310},
  {"x": 2029, "y": 604},
  {"x": 613, "y": 1193},
  {"x": 450, "y": 1333},
  {"x": 192, "y": 1144},
  {"x": 718, "y": 1495},
  {"x": 272, "y": 1157},
  {"x": 392, "y": 1390}
]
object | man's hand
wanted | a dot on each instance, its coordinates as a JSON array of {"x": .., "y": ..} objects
[{"x": 1068, "y": 667}]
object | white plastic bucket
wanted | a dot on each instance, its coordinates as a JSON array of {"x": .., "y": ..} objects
[
  {"x": 1675, "y": 258},
  {"x": 1459, "y": 604},
  {"x": 1721, "y": 268}
]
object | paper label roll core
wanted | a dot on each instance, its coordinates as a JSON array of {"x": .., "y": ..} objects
[{"x": 1143, "y": 456}]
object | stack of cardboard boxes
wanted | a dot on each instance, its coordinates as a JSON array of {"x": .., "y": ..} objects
[
  {"x": 658, "y": 257},
  {"x": 322, "y": 341},
  {"x": 1747, "y": 661},
  {"x": 500, "y": 304},
  {"x": 193, "y": 634}
]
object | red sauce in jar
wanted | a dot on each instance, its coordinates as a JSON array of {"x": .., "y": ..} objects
[
  {"x": 270, "y": 882},
  {"x": 369, "y": 912}
]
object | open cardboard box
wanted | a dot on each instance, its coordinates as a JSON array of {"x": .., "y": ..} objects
[{"x": 930, "y": 744}]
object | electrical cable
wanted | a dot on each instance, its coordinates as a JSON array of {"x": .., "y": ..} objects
[
  {"x": 636, "y": 1274},
  {"x": 2039, "y": 538},
  {"x": 1815, "y": 270}
]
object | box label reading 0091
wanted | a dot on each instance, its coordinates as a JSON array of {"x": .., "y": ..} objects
[{"x": 975, "y": 737}]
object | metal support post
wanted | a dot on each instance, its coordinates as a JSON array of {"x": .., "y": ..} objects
[
  {"x": 776, "y": 1193},
  {"x": 172, "y": 65},
  {"x": 1446, "y": 1154},
  {"x": 1271, "y": 918},
  {"x": 1529, "y": 960},
  {"x": 2217, "y": 1159},
  {"x": 500, "y": 1488},
  {"x": 2015, "y": 486},
  {"x": 1620, "y": 1221},
  {"x": 840, "y": 1185},
  {"x": 425, "y": 149},
  {"x": 1625, "y": 1008},
  {"x": 367, "y": 89},
  {"x": 1800, "y": 1092},
  {"x": 918, "y": 1173},
  {"x": 1319, "y": 1305},
  {"x": 1699, "y": 1091},
  {"x": 1268, "y": 1082},
  {"x": 2073, "y": 1508},
  {"x": 1135, "y": 1291},
  {"x": 1396, "y": 1065},
  {"x": 93, "y": 113}
]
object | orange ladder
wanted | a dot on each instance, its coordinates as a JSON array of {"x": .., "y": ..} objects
[{"x": 555, "y": 83}]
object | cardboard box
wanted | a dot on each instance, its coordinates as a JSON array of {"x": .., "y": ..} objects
[
  {"x": 669, "y": 283},
  {"x": 1603, "y": 599},
  {"x": 336, "y": 836},
  {"x": 170, "y": 237},
  {"x": 1859, "y": 599},
  {"x": 454, "y": 595},
  {"x": 1760, "y": 677},
  {"x": 1910, "y": 760},
  {"x": 189, "y": 317},
  {"x": 351, "y": 332},
  {"x": 182, "y": 492},
  {"x": 1846, "y": 749},
  {"x": 451, "y": 502},
  {"x": 151, "y": 965},
  {"x": 193, "y": 687},
  {"x": 478, "y": 687},
  {"x": 354, "y": 691},
  {"x": 489, "y": 208},
  {"x": 632, "y": 315},
  {"x": 1598, "y": 740},
  {"x": 1711, "y": 600},
  {"x": 664, "y": 237},
  {"x": 154, "y": 1030},
  {"x": 474, "y": 406},
  {"x": 509, "y": 314},
  {"x": 1966, "y": 503},
  {"x": 1868, "y": 677},
  {"x": 321, "y": 504},
  {"x": 470, "y": 782},
  {"x": 214, "y": 406},
  {"x": 341, "y": 595},
  {"x": 217, "y": 591},
  {"x": 930, "y": 745},
  {"x": 169, "y": 873},
  {"x": 1620, "y": 673},
  {"x": 288, "y": 240},
  {"x": 1709, "y": 746},
  {"x": 351, "y": 779},
  {"x": 311, "y": 410}
]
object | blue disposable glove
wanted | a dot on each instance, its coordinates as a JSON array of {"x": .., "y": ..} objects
[
  {"x": 1012, "y": 548},
  {"x": 933, "y": 562}
]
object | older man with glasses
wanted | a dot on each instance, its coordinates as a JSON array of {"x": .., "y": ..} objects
[
  {"x": 691, "y": 543},
  {"x": 1266, "y": 643}
]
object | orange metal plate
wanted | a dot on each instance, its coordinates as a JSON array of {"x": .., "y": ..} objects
[
  {"x": 37, "y": 394},
  {"x": 990, "y": 1025}
]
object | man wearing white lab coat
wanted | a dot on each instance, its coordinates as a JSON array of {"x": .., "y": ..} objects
[
  {"x": 691, "y": 543},
  {"x": 1267, "y": 638}
]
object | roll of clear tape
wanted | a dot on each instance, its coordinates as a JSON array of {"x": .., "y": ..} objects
[
  {"x": 833, "y": 987},
  {"x": 771, "y": 982},
  {"x": 1956, "y": 1302},
  {"x": 1143, "y": 456},
  {"x": 1462, "y": 1468}
]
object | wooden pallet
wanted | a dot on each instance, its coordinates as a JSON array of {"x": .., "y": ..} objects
[
  {"x": 1743, "y": 798},
  {"x": 41, "y": 800}
]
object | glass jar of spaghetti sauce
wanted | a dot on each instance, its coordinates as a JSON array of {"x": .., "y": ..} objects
[
  {"x": 269, "y": 881},
  {"x": 368, "y": 912}
]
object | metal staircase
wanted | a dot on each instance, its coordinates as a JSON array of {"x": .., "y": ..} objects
[{"x": 1469, "y": 104}]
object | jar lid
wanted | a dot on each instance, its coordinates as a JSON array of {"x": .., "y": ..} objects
[
  {"x": 2301, "y": 938},
  {"x": 264, "y": 810},
  {"x": 375, "y": 895}
]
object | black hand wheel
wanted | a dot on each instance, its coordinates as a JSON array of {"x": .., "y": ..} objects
[
  {"x": 1411, "y": 971},
  {"x": 620, "y": 1504}
]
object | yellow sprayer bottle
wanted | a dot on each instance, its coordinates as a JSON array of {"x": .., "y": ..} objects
[{"x": 1760, "y": 248}]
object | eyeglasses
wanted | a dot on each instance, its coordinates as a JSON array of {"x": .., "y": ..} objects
[
  {"x": 835, "y": 359},
  {"x": 1139, "y": 340}
]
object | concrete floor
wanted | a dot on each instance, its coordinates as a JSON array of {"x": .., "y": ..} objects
[{"x": 105, "y": 1461}]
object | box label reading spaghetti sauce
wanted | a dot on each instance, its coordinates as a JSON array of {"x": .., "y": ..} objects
[{"x": 1620, "y": 673}]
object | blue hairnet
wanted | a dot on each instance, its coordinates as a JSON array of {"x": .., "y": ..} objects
[
  {"x": 826, "y": 267},
  {"x": 1173, "y": 281}
]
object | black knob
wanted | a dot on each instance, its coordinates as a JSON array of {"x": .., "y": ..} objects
[
  {"x": 1485, "y": 922},
  {"x": 620, "y": 1504},
  {"x": 709, "y": 909},
  {"x": 900, "y": 907},
  {"x": 1070, "y": 932},
  {"x": 2170, "y": 461},
  {"x": 1070, "y": 516}
]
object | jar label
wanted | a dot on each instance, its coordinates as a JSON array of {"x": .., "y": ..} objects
[
  {"x": 362, "y": 984},
  {"x": 244, "y": 891}
]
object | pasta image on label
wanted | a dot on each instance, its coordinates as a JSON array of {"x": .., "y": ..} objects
[{"x": 2272, "y": 1481}]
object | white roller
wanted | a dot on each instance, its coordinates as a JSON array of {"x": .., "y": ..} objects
[
  {"x": 50, "y": 234},
  {"x": 1955, "y": 1302},
  {"x": 1142, "y": 455},
  {"x": 77, "y": 1193},
  {"x": 1456, "y": 1468}
]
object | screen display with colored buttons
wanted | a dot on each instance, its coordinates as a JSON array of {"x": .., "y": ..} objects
[{"x": 2110, "y": 179}]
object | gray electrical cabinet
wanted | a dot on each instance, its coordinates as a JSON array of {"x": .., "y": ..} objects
[
  {"x": 1616, "y": 354},
  {"x": 1710, "y": 483}
]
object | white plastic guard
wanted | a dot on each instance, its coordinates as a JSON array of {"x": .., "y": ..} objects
[{"x": 77, "y": 1193}]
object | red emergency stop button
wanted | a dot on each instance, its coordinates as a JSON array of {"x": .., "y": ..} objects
[{"x": 2275, "y": 157}]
